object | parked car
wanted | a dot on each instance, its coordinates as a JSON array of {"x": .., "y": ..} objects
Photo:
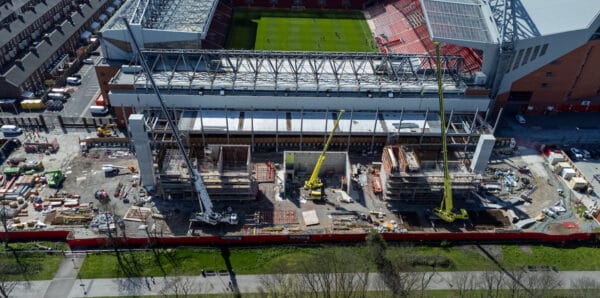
[
  {"x": 586, "y": 154},
  {"x": 576, "y": 153},
  {"x": 88, "y": 61},
  {"x": 73, "y": 81},
  {"x": 520, "y": 119}
]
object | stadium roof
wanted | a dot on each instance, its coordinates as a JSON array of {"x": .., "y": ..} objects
[
  {"x": 169, "y": 15},
  {"x": 545, "y": 17},
  {"x": 295, "y": 71},
  {"x": 460, "y": 20}
]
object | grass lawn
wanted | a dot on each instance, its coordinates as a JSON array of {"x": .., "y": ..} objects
[
  {"x": 283, "y": 30},
  {"x": 42, "y": 266},
  {"x": 580, "y": 258}
]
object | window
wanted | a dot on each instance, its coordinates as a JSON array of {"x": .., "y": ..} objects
[
  {"x": 526, "y": 58},
  {"x": 544, "y": 49},
  {"x": 520, "y": 96},
  {"x": 518, "y": 59},
  {"x": 544, "y": 85},
  {"x": 549, "y": 74}
]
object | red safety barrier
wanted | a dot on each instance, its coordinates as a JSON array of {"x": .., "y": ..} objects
[{"x": 35, "y": 235}]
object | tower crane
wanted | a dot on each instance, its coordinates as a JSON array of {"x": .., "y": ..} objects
[
  {"x": 445, "y": 211},
  {"x": 206, "y": 214},
  {"x": 314, "y": 184}
]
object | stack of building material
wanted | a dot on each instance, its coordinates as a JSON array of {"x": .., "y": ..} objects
[
  {"x": 555, "y": 157},
  {"x": 577, "y": 183},
  {"x": 560, "y": 166}
]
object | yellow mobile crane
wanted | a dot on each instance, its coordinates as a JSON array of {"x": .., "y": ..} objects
[
  {"x": 314, "y": 184},
  {"x": 445, "y": 211}
]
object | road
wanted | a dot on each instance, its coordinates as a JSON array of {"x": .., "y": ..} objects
[{"x": 561, "y": 129}]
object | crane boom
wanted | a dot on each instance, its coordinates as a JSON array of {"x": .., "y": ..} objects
[
  {"x": 314, "y": 182},
  {"x": 445, "y": 212},
  {"x": 206, "y": 213}
]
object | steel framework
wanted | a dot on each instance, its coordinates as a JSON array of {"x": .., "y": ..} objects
[{"x": 297, "y": 71}]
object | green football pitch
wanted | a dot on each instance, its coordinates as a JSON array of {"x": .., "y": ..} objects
[{"x": 283, "y": 30}]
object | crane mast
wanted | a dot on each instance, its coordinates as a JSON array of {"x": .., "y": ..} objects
[
  {"x": 445, "y": 211},
  {"x": 314, "y": 182},
  {"x": 206, "y": 214}
]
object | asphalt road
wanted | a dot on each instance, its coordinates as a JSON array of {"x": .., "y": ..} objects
[{"x": 562, "y": 129}]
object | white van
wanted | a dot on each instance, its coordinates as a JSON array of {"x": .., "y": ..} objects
[
  {"x": 98, "y": 110},
  {"x": 56, "y": 96},
  {"x": 11, "y": 130}
]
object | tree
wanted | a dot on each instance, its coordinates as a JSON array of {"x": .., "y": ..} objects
[
  {"x": 541, "y": 284},
  {"x": 179, "y": 286},
  {"x": 514, "y": 282},
  {"x": 492, "y": 282},
  {"x": 339, "y": 273},
  {"x": 4, "y": 218},
  {"x": 399, "y": 275},
  {"x": 463, "y": 282},
  {"x": 585, "y": 287}
]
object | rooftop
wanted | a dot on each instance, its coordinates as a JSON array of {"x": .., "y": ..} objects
[
  {"x": 268, "y": 122},
  {"x": 169, "y": 15},
  {"x": 462, "y": 20},
  {"x": 294, "y": 71}
]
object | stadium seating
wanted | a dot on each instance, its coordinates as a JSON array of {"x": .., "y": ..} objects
[
  {"x": 399, "y": 27},
  {"x": 217, "y": 32}
]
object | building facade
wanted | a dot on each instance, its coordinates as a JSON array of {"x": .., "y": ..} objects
[{"x": 37, "y": 39}]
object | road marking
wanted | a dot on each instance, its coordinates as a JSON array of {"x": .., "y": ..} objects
[{"x": 89, "y": 104}]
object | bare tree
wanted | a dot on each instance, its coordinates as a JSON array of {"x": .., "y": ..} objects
[
  {"x": 513, "y": 282},
  {"x": 7, "y": 284},
  {"x": 335, "y": 274},
  {"x": 541, "y": 284},
  {"x": 463, "y": 282},
  {"x": 4, "y": 218},
  {"x": 492, "y": 282},
  {"x": 585, "y": 287},
  {"x": 180, "y": 286},
  {"x": 281, "y": 284}
]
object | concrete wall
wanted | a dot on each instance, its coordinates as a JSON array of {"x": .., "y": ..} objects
[{"x": 306, "y": 160}]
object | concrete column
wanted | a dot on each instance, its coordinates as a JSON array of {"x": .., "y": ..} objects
[
  {"x": 482, "y": 154},
  {"x": 143, "y": 151}
]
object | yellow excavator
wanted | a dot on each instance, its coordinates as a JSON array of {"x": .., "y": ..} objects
[
  {"x": 445, "y": 211},
  {"x": 106, "y": 130},
  {"x": 314, "y": 184}
]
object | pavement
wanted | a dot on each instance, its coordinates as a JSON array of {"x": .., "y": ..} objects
[{"x": 67, "y": 284}]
